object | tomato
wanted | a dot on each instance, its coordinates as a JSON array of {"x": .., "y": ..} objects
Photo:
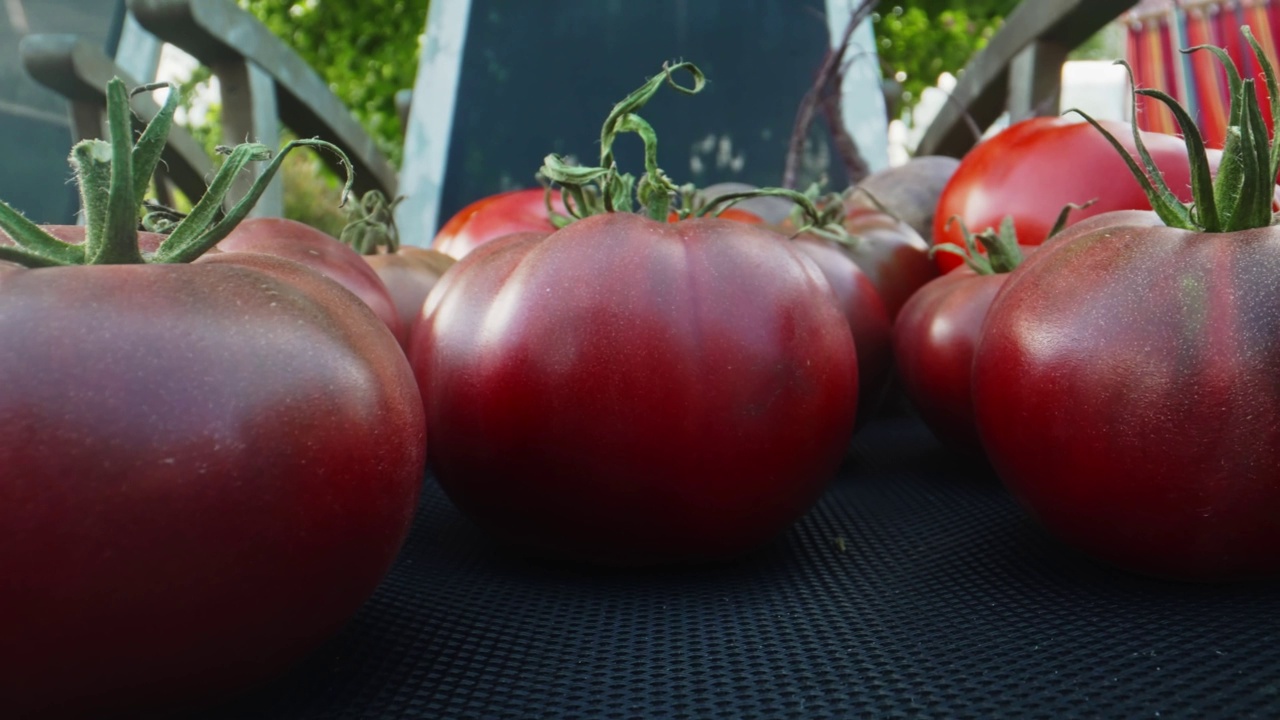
[
  {"x": 933, "y": 343},
  {"x": 497, "y": 215},
  {"x": 1126, "y": 381},
  {"x": 909, "y": 191},
  {"x": 321, "y": 252},
  {"x": 628, "y": 391},
  {"x": 891, "y": 253},
  {"x": 732, "y": 213},
  {"x": 939, "y": 327},
  {"x": 1035, "y": 167},
  {"x": 1125, "y": 389},
  {"x": 207, "y": 467},
  {"x": 409, "y": 274},
  {"x": 864, "y": 311},
  {"x": 237, "y": 471}
]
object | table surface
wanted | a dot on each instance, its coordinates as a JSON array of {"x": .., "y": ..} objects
[{"x": 915, "y": 589}]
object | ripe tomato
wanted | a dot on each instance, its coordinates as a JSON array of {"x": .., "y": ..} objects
[
  {"x": 891, "y": 253},
  {"x": 864, "y": 311},
  {"x": 409, "y": 274},
  {"x": 495, "y": 216},
  {"x": 1125, "y": 391},
  {"x": 939, "y": 327},
  {"x": 1034, "y": 168},
  {"x": 933, "y": 343},
  {"x": 321, "y": 252},
  {"x": 236, "y": 472},
  {"x": 206, "y": 468},
  {"x": 629, "y": 391}
]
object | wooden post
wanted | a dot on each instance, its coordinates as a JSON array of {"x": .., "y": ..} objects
[{"x": 1035, "y": 80}]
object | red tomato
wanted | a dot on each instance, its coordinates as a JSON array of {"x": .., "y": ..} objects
[
  {"x": 862, "y": 308},
  {"x": 933, "y": 343},
  {"x": 891, "y": 253},
  {"x": 495, "y": 216},
  {"x": 1034, "y": 168},
  {"x": 1125, "y": 391},
  {"x": 207, "y": 469},
  {"x": 409, "y": 274},
  {"x": 627, "y": 391},
  {"x": 321, "y": 252}
]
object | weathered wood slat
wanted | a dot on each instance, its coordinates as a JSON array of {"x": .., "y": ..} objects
[
  {"x": 1034, "y": 38},
  {"x": 79, "y": 71},
  {"x": 226, "y": 39}
]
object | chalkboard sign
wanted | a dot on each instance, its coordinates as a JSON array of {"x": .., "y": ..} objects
[
  {"x": 503, "y": 83},
  {"x": 35, "y": 128}
]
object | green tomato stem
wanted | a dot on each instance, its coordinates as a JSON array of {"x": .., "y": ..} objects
[
  {"x": 113, "y": 175},
  {"x": 118, "y": 243},
  {"x": 1241, "y": 195}
]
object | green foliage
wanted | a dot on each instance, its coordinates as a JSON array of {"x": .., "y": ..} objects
[
  {"x": 367, "y": 51},
  {"x": 920, "y": 41}
]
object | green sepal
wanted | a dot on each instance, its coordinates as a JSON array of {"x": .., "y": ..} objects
[
  {"x": 91, "y": 161},
  {"x": 371, "y": 226},
  {"x": 188, "y": 248},
  {"x": 118, "y": 243},
  {"x": 1242, "y": 194},
  {"x": 36, "y": 248},
  {"x": 1273, "y": 92},
  {"x": 615, "y": 191},
  {"x": 1204, "y": 216},
  {"x": 151, "y": 144}
]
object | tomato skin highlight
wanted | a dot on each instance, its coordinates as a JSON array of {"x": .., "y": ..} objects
[
  {"x": 207, "y": 470},
  {"x": 321, "y": 252},
  {"x": 1034, "y": 168},
  {"x": 1125, "y": 391},
  {"x": 495, "y": 216},
  {"x": 625, "y": 391}
]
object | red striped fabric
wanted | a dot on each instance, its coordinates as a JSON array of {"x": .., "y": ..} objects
[
  {"x": 1155, "y": 28},
  {"x": 1208, "y": 78}
]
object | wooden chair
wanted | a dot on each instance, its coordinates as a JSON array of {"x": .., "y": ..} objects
[{"x": 264, "y": 86}]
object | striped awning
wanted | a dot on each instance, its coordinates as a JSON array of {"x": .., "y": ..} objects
[{"x": 1158, "y": 29}]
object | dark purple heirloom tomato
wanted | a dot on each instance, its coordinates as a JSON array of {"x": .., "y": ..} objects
[
  {"x": 1127, "y": 383},
  {"x": 626, "y": 390},
  {"x": 205, "y": 467}
]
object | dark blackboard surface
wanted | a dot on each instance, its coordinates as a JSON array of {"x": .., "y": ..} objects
[{"x": 540, "y": 77}]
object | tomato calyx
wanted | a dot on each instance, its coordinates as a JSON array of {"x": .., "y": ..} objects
[
  {"x": 823, "y": 215},
  {"x": 1001, "y": 246},
  {"x": 113, "y": 175},
  {"x": 604, "y": 189},
  {"x": 1241, "y": 196},
  {"x": 372, "y": 227},
  {"x": 1001, "y": 251}
]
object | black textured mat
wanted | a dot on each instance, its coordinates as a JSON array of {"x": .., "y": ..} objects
[{"x": 915, "y": 589}]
